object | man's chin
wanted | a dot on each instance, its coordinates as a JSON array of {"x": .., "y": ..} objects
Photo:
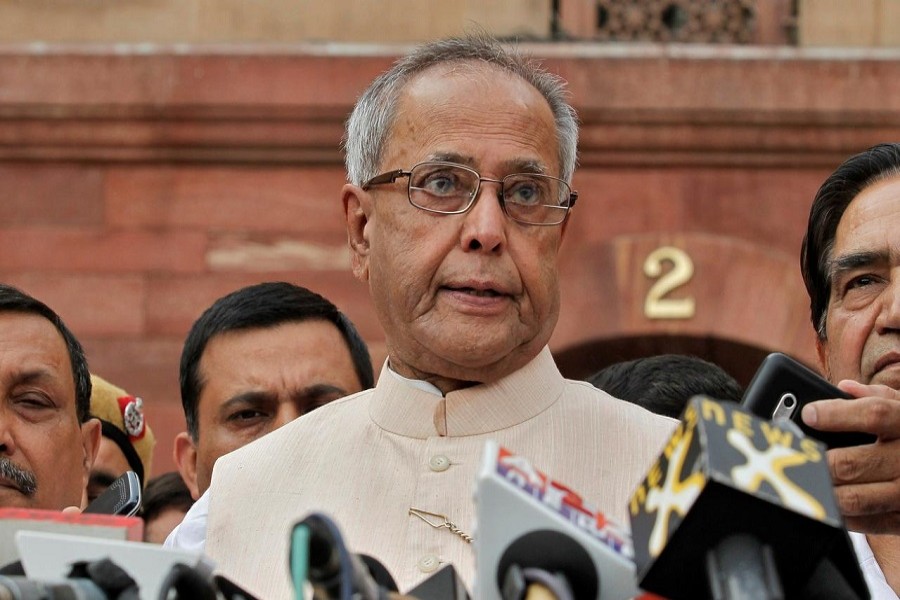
[
  {"x": 11, "y": 497},
  {"x": 889, "y": 376}
]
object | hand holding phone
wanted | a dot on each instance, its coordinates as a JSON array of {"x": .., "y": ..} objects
[
  {"x": 781, "y": 388},
  {"x": 122, "y": 497}
]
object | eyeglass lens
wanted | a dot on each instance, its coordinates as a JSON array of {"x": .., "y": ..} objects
[{"x": 446, "y": 188}]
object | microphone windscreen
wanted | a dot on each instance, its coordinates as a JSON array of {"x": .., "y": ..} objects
[{"x": 725, "y": 472}]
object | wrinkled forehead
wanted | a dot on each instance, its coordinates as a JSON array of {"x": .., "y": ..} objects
[
  {"x": 33, "y": 326},
  {"x": 465, "y": 102},
  {"x": 477, "y": 76},
  {"x": 37, "y": 348},
  {"x": 872, "y": 217}
]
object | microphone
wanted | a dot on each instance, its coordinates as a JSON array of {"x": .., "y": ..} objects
[
  {"x": 13, "y": 520},
  {"x": 738, "y": 507},
  {"x": 49, "y": 557},
  {"x": 444, "y": 584},
  {"x": 535, "y": 533},
  {"x": 318, "y": 555}
]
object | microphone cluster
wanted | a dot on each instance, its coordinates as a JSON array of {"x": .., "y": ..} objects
[{"x": 734, "y": 508}]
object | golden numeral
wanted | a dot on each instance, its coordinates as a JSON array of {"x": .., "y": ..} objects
[{"x": 656, "y": 305}]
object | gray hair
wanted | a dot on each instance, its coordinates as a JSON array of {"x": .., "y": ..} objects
[{"x": 372, "y": 117}]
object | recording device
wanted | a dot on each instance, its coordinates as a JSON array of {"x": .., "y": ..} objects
[
  {"x": 736, "y": 504},
  {"x": 530, "y": 524},
  {"x": 22, "y": 588},
  {"x": 318, "y": 555},
  {"x": 444, "y": 584},
  {"x": 122, "y": 497},
  {"x": 780, "y": 389},
  {"x": 13, "y": 520},
  {"x": 103, "y": 579},
  {"x": 48, "y": 557}
]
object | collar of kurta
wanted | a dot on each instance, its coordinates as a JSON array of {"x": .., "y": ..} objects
[{"x": 402, "y": 408}]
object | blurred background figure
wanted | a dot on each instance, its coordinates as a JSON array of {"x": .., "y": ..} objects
[
  {"x": 664, "y": 383},
  {"x": 127, "y": 442},
  {"x": 166, "y": 500},
  {"x": 48, "y": 441},
  {"x": 255, "y": 360}
]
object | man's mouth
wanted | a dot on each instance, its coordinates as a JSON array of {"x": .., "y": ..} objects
[
  {"x": 485, "y": 293},
  {"x": 888, "y": 360},
  {"x": 14, "y": 476}
]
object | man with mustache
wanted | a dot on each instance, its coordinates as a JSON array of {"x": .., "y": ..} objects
[
  {"x": 48, "y": 442},
  {"x": 851, "y": 266},
  {"x": 459, "y": 160}
]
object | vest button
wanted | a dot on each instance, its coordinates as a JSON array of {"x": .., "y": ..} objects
[
  {"x": 438, "y": 463},
  {"x": 428, "y": 563}
]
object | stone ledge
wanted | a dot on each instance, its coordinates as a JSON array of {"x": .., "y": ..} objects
[{"x": 644, "y": 106}]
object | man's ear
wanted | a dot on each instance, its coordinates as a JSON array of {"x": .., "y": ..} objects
[
  {"x": 357, "y": 211},
  {"x": 185, "y": 455},
  {"x": 90, "y": 445},
  {"x": 564, "y": 226},
  {"x": 822, "y": 352}
]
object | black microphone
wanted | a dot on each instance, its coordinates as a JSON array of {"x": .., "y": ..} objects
[
  {"x": 738, "y": 508},
  {"x": 318, "y": 555},
  {"x": 443, "y": 584},
  {"x": 533, "y": 531}
]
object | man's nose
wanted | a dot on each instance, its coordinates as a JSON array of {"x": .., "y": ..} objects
[
  {"x": 484, "y": 225},
  {"x": 7, "y": 443},
  {"x": 287, "y": 412},
  {"x": 889, "y": 318}
]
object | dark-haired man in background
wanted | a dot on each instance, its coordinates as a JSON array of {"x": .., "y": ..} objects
[
  {"x": 851, "y": 267},
  {"x": 664, "y": 383},
  {"x": 165, "y": 502},
  {"x": 256, "y": 359},
  {"x": 48, "y": 442}
]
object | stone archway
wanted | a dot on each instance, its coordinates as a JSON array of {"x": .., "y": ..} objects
[
  {"x": 740, "y": 360},
  {"x": 747, "y": 300}
]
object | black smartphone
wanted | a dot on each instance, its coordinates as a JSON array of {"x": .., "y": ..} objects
[
  {"x": 782, "y": 386},
  {"x": 122, "y": 497}
]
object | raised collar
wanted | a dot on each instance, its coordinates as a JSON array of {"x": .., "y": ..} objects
[{"x": 401, "y": 408}]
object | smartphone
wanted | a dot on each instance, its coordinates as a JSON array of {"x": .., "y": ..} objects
[
  {"x": 782, "y": 386},
  {"x": 122, "y": 497}
]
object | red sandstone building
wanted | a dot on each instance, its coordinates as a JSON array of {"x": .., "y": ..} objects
[{"x": 139, "y": 182}]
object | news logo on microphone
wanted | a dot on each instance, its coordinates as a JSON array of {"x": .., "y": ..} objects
[
  {"x": 725, "y": 471},
  {"x": 527, "y": 519}
]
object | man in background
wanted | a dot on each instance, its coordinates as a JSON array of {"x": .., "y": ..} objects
[
  {"x": 664, "y": 383},
  {"x": 256, "y": 359},
  {"x": 851, "y": 267},
  {"x": 165, "y": 502},
  {"x": 127, "y": 441},
  {"x": 47, "y": 439}
]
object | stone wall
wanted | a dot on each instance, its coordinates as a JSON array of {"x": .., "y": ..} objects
[{"x": 141, "y": 183}]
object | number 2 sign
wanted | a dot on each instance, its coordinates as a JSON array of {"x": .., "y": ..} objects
[{"x": 657, "y": 305}]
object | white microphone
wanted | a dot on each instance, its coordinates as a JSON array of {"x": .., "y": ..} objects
[{"x": 525, "y": 520}]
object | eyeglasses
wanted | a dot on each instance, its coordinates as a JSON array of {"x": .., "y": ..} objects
[{"x": 450, "y": 189}]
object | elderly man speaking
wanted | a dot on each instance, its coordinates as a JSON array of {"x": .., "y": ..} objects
[{"x": 459, "y": 160}]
